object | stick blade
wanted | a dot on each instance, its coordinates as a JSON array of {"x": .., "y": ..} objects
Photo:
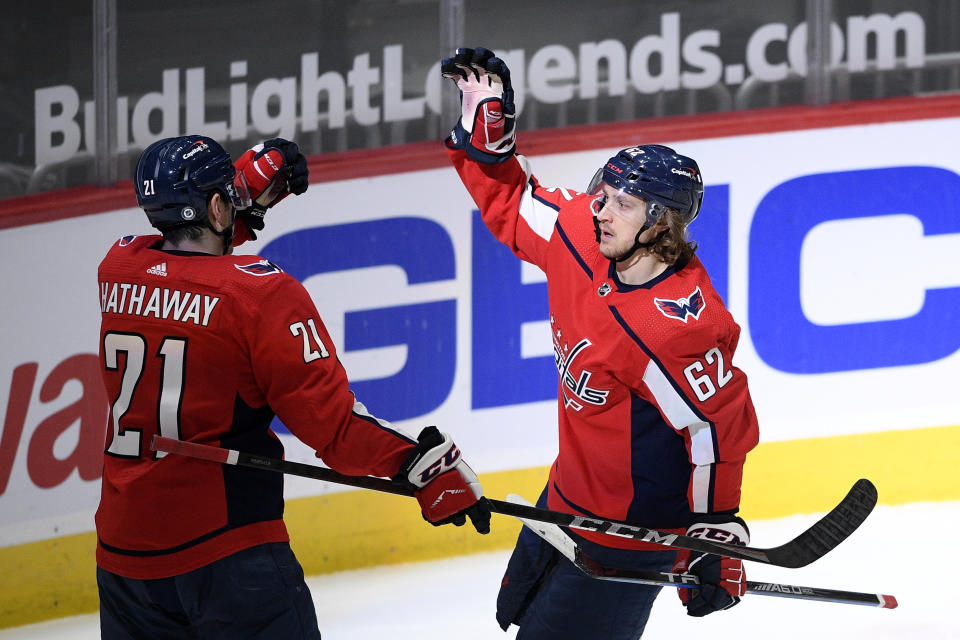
[
  {"x": 553, "y": 534},
  {"x": 829, "y": 531}
]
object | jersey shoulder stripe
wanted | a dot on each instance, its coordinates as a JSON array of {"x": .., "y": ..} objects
[
  {"x": 573, "y": 251},
  {"x": 539, "y": 213}
]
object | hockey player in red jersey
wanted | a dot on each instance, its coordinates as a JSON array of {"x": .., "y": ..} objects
[
  {"x": 655, "y": 421},
  {"x": 206, "y": 347}
]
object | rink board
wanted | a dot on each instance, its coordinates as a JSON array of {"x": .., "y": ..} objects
[
  {"x": 851, "y": 349},
  {"x": 346, "y": 530}
]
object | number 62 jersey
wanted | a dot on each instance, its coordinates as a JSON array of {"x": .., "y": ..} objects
[
  {"x": 655, "y": 421},
  {"x": 207, "y": 349}
]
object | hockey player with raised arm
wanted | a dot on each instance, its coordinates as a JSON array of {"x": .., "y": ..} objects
[
  {"x": 655, "y": 421},
  {"x": 204, "y": 346}
]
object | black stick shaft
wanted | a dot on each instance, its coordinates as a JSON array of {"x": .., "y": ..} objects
[{"x": 804, "y": 549}]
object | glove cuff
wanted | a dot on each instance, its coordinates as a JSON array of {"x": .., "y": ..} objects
[
  {"x": 485, "y": 157},
  {"x": 253, "y": 216},
  {"x": 460, "y": 138},
  {"x": 434, "y": 455}
]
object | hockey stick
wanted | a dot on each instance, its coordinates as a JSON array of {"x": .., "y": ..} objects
[
  {"x": 563, "y": 543},
  {"x": 810, "y": 545}
]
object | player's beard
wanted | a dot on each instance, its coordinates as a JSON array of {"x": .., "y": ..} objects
[
  {"x": 620, "y": 250},
  {"x": 616, "y": 247},
  {"x": 612, "y": 250}
]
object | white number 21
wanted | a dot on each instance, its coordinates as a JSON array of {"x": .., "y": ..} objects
[
  {"x": 309, "y": 352},
  {"x": 127, "y": 441}
]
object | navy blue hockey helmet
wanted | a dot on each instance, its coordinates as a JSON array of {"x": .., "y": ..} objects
[
  {"x": 175, "y": 177},
  {"x": 657, "y": 174}
]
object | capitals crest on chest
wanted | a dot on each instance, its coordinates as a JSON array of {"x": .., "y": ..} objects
[{"x": 570, "y": 355}]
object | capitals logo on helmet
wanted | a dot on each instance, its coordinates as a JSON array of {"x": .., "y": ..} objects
[{"x": 176, "y": 176}]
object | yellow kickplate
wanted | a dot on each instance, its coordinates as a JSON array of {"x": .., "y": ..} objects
[{"x": 349, "y": 530}]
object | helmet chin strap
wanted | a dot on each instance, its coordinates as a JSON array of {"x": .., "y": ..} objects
[{"x": 637, "y": 245}]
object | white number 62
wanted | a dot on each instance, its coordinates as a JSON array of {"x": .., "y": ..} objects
[{"x": 702, "y": 384}]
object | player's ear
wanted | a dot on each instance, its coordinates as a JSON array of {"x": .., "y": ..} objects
[{"x": 218, "y": 211}]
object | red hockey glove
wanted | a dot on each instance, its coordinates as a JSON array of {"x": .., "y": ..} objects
[
  {"x": 722, "y": 579},
  {"x": 446, "y": 487},
  {"x": 273, "y": 170},
  {"x": 487, "y": 126}
]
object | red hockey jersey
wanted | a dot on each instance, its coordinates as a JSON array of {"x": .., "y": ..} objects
[
  {"x": 655, "y": 421},
  {"x": 206, "y": 349}
]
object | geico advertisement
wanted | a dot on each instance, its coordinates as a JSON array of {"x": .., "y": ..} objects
[{"x": 835, "y": 250}]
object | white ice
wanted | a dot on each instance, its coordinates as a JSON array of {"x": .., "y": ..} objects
[{"x": 907, "y": 551}]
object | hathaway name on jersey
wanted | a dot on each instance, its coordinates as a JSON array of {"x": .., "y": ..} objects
[{"x": 162, "y": 303}]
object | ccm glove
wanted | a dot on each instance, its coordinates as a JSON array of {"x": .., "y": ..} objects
[
  {"x": 487, "y": 126},
  {"x": 445, "y": 486},
  {"x": 722, "y": 579},
  {"x": 273, "y": 170}
]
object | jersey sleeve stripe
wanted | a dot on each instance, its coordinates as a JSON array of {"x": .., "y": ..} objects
[
  {"x": 544, "y": 201},
  {"x": 360, "y": 410},
  {"x": 679, "y": 412},
  {"x": 671, "y": 403},
  {"x": 539, "y": 215},
  {"x": 702, "y": 445},
  {"x": 685, "y": 411},
  {"x": 702, "y": 456}
]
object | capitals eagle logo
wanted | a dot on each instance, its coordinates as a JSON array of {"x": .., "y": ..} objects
[
  {"x": 683, "y": 308},
  {"x": 262, "y": 268}
]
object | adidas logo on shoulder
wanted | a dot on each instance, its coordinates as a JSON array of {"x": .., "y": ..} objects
[{"x": 158, "y": 269}]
